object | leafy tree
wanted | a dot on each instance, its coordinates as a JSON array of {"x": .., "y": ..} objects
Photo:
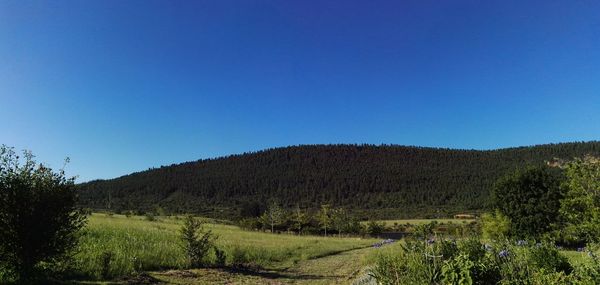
[
  {"x": 495, "y": 226},
  {"x": 324, "y": 217},
  {"x": 197, "y": 241},
  {"x": 39, "y": 221},
  {"x": 299, "y": 219},
  {"x": 340, "y": 220},
  {"x": 274, "y": 215},
  {"x": 530, "y": 198},
  {"x": 580, "y": 209}
]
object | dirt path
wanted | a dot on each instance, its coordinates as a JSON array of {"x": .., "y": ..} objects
[{"x": 340, "y": 268}]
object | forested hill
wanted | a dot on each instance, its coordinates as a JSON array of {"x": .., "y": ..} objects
[{"x": 378, "y": 181}]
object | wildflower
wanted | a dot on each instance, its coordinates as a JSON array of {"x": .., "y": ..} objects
[
  {"x": 521, "y": 242},
  {"x": 581, "y": 249},
  {"x": 487, "y": 247},
  {"x": 503, "y": 253},
  {"x": 430, "y": 241}
]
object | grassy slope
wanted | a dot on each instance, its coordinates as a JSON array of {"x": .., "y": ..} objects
[{"x": 138, "y": 245}]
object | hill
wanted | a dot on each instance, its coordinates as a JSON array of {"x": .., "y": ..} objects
[{"x": 386, "y": 181}]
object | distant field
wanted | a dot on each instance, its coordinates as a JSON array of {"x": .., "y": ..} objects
[
  {"x": 425, "y": 221},
  {"x": 130, "y": 245}
]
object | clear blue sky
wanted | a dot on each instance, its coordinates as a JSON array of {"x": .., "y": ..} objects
[{"x": 120, "y": 86}]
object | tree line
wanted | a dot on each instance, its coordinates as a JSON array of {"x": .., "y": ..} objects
[
  {"x": 326, "y": 221},
  {"x": 385, "y": 181}
]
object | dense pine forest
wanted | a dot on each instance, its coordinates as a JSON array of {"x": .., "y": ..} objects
[{"x": 386, "y": 181}]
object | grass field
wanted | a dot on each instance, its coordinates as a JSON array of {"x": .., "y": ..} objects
[{"x": 116, "y": 246}]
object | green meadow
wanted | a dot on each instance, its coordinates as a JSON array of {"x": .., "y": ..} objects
[{"x": 115, "y": 246}]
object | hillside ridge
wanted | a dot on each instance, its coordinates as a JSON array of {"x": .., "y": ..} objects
[{"x": 372, "y": 180}]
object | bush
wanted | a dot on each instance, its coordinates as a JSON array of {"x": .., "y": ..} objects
[
  {"x": 424, "y": 231},
  {"x": 39, "y": 221},
  {"x": 495, "y": 226},
  {"x": 150, "y": 217},
  {"x": 197, "y": 241},
  {"x": 374, "y": 228},
  {"x": 548, "y": 258},
  {"x": 457, "y": 271},
  {"x": 531, "y": 199},
  {"x": 220, "y": 257},
  {"x": 471, "y": 262}
]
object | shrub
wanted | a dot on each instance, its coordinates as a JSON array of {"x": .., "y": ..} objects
[
  {"x": 220, "y": 257},
  {"x": 531, "y": 199},
  {"x": 39, "y": 221},
  {"x": 457, "y": 271},
  {"x": 471, "y": 262},
  {"x": 374, "y": 228},
  {"x": 150, "y": 217},
  {"x": 196, "y": 241},
  {"x": 239, "y": 257},
  {"x": 495, "y": 226},
  {"x": 424, "y": 231},
  {"x": 548, "y": 258}
]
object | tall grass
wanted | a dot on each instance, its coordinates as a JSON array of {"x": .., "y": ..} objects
[{"x": 118, "y": 246}]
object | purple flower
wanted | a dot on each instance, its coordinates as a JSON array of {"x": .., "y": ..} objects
[
  {"x": 430, "y": 241},
  {"x": 521, "y": 242},
  {"x": 503, "y": 253}
]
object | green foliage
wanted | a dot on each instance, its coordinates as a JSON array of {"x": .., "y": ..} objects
[
  {"x": 580, "y": 209},
  {"x": 545, "y": 256},
  {"x": 299, "y": 219},
  {"x": 471, "y": 262},
  {"x": 196, "y": 241},
  {"x": 339, "y": 220},
  {"x": 106, "y": 258},
  {"x": 376, "y": 182},
  {"x": 220, "y": 257},
  {"x": 495, "y": 226},
  {"x": 457, "y": 271},
  {"x": 273, "y": 216},
  {"x": 324, "y": 217},
  {"x": 375, "y": 228},
  {"x": 150, "y": 217},
  {"x": 39, "y": 221},
  {"x": 530, "y": 198},
  {"x": 424, "y": 231}
]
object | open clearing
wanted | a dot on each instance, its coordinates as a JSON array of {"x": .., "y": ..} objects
[{"x": 136, "y": 245}]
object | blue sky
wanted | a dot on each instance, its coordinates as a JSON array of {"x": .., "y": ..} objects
[{"x": 121, "y": 86}]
